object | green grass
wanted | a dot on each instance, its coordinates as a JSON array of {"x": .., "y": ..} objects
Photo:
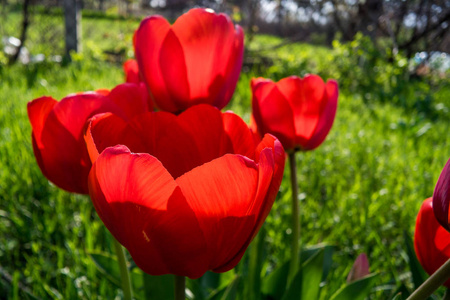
[
  {"x": 98, "y": 34},
  {"x": 359, "y": 190}
]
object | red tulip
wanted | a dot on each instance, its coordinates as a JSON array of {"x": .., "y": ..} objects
[
  {"x": 441, "y": 197},
  {"x": 299, "y": 112},
  {"x": 431, "y": 240},
  {"x": 186, "y": 193},
  {"x": 196, "y": 60},
  {"x": 57, "y": 135},
  {"x": 131, "y": 70}
]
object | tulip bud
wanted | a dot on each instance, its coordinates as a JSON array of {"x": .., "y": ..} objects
[
  {"x": 359, "y": 269},
  {"x": 441, "y": 197}
]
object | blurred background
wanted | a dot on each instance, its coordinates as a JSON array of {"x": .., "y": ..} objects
[
  {"x": 359, "y": 192},
  {"x": 418, "y": 29}
]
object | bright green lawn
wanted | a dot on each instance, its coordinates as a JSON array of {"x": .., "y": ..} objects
[{"x": 359, "y": 191}]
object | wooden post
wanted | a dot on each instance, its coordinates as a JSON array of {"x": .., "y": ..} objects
[{"x": 72, "y": 15}]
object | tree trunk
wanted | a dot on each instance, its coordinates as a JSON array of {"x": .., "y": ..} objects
[
  {"x": 23, "y": 34},
  {"x": 280, "y": 17},
  {"x": 72, "y": 16}
]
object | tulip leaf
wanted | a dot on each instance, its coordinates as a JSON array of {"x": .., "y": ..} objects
[
  {"x": 158, "y": 287},
  {"x": 144, "y": 286},
  {"x": 306, "y": 283},
  {"x": 417, "y": 272},
  {"x": 226, "y": 292},
  {"x": 107, "y": 265},
  {"x": 231, "y": 291},
  {"x": 327, "y": 260},
  {"x": 401, "y": 293},
  {"x": 211, "y": 284},
  {"x": 274, "y": 285},
  {"x": 210, "y": 280},
  {"x": 204, "y": 286},
  {"x": 356, "y": 290}
]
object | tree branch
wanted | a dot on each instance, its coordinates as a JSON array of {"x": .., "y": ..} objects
[{"x": 426, "y": 31}]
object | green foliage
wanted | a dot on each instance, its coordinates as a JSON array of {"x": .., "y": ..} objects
[
  {"x": 306, "y": 283},
  {"x": 357, "y": 290},
  {"x": 417, "y": 272},
  {"x": 359, "y": 191}
]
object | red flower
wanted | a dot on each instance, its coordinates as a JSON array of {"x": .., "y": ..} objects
[
  {"x": 187, "y": 193},
  {"x": 57, "y": 127},
  {"x": 431, "y": 240},
  {"x": 299, "y": 112},
  {"x": 441, "y": 197},
  {"x": 196, "y": 60},
  {"x": 131, "y": 69}
]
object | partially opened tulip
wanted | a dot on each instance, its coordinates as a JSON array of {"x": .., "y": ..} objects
[
  {"x": 441, "y": 197},
  {"x": 196, "y": 60},
  {"x": 299, "y": 112},
  {"x": 131, "y": 70},
  {"x": 431, "y": 240},
  {"x": 57, "y": 130},
  {"x": 184, "y": 194}
]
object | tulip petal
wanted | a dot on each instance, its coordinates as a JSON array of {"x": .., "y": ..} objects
[
  {"x": 327, "y": 114},
  {"x": 38, "y": 111},
  {"x": 255, "y": 131},
  {"x": 278, "y": 156},
  {"x": 131, "y": 98},
  {"x": 73, "y": 111},
  {"x": 222, "y": 194},
  {"x": 146, "y": 212},
  {"x": 192, "y": 143},
  {"x": 131, "y": 70},
  {"x": 173, "y": 69},
  {"x": 305, "y": 96},
  {"x": 240, "y": 136},
  {"x": 233, "y": 69},
  {"x": 65, "y": 161},
  {"x": 441, "y": 197},
  {"x": 162, "y": 131},
  {"x": 271, "y": 142},
  {"x": 273, "y": 113},
  {"x": 107, "y": 130},
  {"x": 208, "y": 38},
  {"x": 204, "y": 124},
  {"x": 431, "y": 241},
  {"x": 260, "y": 208},
  {"x": 148, "y": 42},
  {"x": 63, "y": 152},
  {"x": 442, "y": 241}
]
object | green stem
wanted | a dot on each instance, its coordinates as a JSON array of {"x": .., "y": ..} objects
[
  {"x": 124, "y": 274},
  {"x": 254, "y": 267},
  {"x": 432, "y": 283},
  {"x": 295, "y": 218},
  {"x": 180, "y": 287}
]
